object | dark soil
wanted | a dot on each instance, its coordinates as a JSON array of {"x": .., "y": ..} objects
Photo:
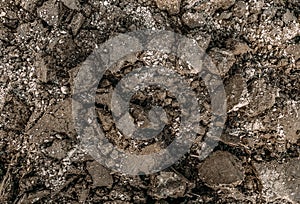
[{"x": 256, "y": 48}]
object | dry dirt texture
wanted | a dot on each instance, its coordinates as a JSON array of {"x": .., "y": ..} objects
[{"x": 255, "y": 45}]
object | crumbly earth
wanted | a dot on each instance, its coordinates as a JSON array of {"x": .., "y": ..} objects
[{"x": 254, "y": 44}]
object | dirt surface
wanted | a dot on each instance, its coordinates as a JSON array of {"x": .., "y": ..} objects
[{"x": 256, "y": 48}]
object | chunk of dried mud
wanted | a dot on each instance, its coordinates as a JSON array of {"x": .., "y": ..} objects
[
  {"x": 171, "y": 6},
  {"x": 168, "y": 184},
  {"x": 221, "y": 169},
  {"x": 100, "y": 175},
  {"x": 58, "y": 119}
]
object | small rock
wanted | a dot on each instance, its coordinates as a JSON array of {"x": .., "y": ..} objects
[
  {"x": 76, "y": 23},
  {"x": 57, "y": 119},
  {"x": 262, "y": 97},
  {"x": 149, "y": 149},
  {"x": 49, "y": 12},
  {"x": 240, "y": 9},
  {"x": 203, "y": 39},
  {"x": 4, "y": 79},
  {"x": 167, "y": 184},
  {"x": 194, "y": 20},
  {"x": 29, "y": 5},
  {"x": 223, "y": 59},
  {"x": 71, "y": 4},
  {"x": 171, "y": 6},
  {"x": 290, "y": 121},
  {"x": 240, "y": 48},
  {"x": 221, "y": 168},
  {"x": 100, "y": 175},
  {"x": 2, "y": 14},
  {"x": 56, "y": 150},
  {"x": 289, "y": 17},
  {"x": 64, "y": 90},
  {"x": 105, "y": 99},
  {"x": 37, "y": 196},
  {"x": 225, "y": 15},
  {"x": 106, "y": 120},
  {"x": 294, "y": 50}
]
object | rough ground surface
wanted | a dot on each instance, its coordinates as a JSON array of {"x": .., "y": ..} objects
[{"x": 255, "y": 45}]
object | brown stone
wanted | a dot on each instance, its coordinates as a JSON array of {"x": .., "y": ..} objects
[
  {"x": 171, "y": 6},
  {"x": 223, "y": 59},
  {"x": 100, "y": 175},
  {"x": 262, "y": 97},
  {"x": 194, "y": 20},
  {"x": 221, "y": 168},
  {"x": 167, "y": 184}
]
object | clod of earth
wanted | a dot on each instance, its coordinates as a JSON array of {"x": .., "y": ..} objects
[
  {"x": 172, "y": 6},
  {"x": 168, "y": 184},
  {"x": 100, "y": 175},
  {"x": 221, "y": 168}
]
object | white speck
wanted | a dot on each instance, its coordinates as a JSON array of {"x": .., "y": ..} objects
[
  {"x": 2, "y": 14},
  {"x": 64, "y": 90}
]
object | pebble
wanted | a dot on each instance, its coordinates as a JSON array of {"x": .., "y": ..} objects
[
  {"x": 171, "y": 6},
  {"x": 76, "y": 23},
  {"x": 64, "y": 90},
  {"x": 56, "y": 150},
  {"x": 167, "y": 184},
  {"x": 293, "y": 50},
  {"x": 57, "y": 119},
  {"x": 223, "y": 59},
  {"x": 29, "y": 5},
  {"x": 262, "y": 97},
  {"x": 221, "y": 168},
  {"x": 49, "y": 12},
  {"x": 223, "y": 4},
  {"x": 241, "y": 48},
  {"x": 289, "y": 17},
  {"x": 2, "y": 14},
  {"x": 194, "y": 20},
  {"x": 71, "y": 4},
  {"x": 203, "y": 39},
  {"x": 100, "y": 175}
]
